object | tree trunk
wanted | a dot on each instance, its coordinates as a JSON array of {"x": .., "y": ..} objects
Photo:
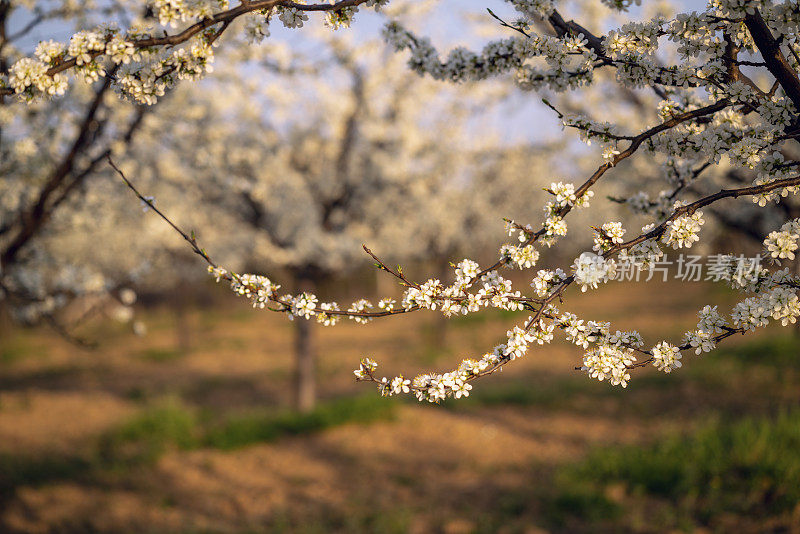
[
  {"x": 438, "y": 333},
  {"x": 796, "y": 269},
  {"x": 5, "y": 321},
  {"x": 305, "y": 358},
  {"x": 793, "y": 213}
]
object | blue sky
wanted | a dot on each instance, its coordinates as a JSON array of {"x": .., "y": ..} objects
[
  {"x": 522, "y": 118},
  {"x": 519, "y": 119}
]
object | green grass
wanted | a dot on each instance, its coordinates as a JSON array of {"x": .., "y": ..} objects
[
  {"x": 541, "y": 393},
  {"x": 16, "y": 348},
  {"x": 161, "y": 354},
  {"x": 167, "y": 424},
  {"x": 17, "y": 470},
  {"x": 579, "y": 503},
  {"x": 170, "y": 424},
  {"x": 142, "y": 439},
  {"x": 749, "y": 468},
  {"x": 262, "y": 426},
  {"x": 781, "y": 351},
  {"x": 9, "y": 356},
  {"x": 346, "y": 519}
]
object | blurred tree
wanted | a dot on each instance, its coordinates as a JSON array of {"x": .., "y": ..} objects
[{"x": 48, "y": 153}]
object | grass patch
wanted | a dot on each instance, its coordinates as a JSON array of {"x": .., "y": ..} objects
[
  {"x": 161, "y": 426},
  {"x": 748, "y": 468},
  {"x": 141, "y": 440},
  {"x": 262, "y": 426},
  {"x": 23, "y": 470},
  {"x": 9, "y": 356},
  {"x": 170, "y": 424},
  {"x": 579, "y": 503},
  {"x": 782, "y": 351},
  {"x": 541, "y": 393},
  {"x": 15, "y": 349},
  {"x": 365, "y": 519},
  {"x": 160, "y": 355}
]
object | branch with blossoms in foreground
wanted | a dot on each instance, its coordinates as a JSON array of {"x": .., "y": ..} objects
[
  {"x": 612, "y": 355},
  {"x": 147, "y": 59},
  {"x": 737, "y": 120}
]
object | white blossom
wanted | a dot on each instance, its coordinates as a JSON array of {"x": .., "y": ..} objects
[
  {"x": 666, "y": 357},
  {"x": 590, "y": 270}
]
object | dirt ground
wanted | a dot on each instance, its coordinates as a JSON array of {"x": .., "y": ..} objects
[{"x": 424, "y": 469}]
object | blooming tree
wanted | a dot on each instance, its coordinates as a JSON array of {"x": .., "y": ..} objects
[
  {"x": 719, "y": 91},
  {"x": 49, "y": 150},
  {"x": 53, "y": 148}
]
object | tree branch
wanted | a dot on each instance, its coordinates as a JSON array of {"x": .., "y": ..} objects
[
  {"x": 32, "y": 220},
  {"x": 773, "y": 57},
  {"x": 225, "y": 17}
]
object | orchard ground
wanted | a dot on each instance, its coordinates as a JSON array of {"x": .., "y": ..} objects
[{"x": 140, "y": 436}]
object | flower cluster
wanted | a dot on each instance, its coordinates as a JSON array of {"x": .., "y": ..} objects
[
  {"x": 523, "y": 257},
  {"x": 259, "y": 289},
  {"x": 711, "y": 323},
  {"x": 608, "y": 235},
  {"x": 435, "y": 387},
  {"x": 172, "y": 12},
  {"x": 779, "y": 303},
  {"x": 545, "y": 280},
  {"x": 590, "y": 270},
  {"x": 256, "y": 27},
  {"x": 324, "y": 315},
  {"x": 609, "y": 363},
  {"x": 566, "y": 197},
  {"x": 151, "y": 67},
  {"x": 666, "y": 357},
  {"x": 783, "y": 243},
  {"x": 645, "y": 254},
  {"x": 304, "y": 305},
  {"x": 357, "y": 311},
  {"x": 29, "y": 79},
  {"x": 683, "y": 231}
]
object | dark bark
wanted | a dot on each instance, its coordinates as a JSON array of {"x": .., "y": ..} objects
[
  {"x": 305, "y": 387},
  {"x": 773, "y": 57},
  {"x": 34, "y": 218},
  {"x": 438, "y": 334}
]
